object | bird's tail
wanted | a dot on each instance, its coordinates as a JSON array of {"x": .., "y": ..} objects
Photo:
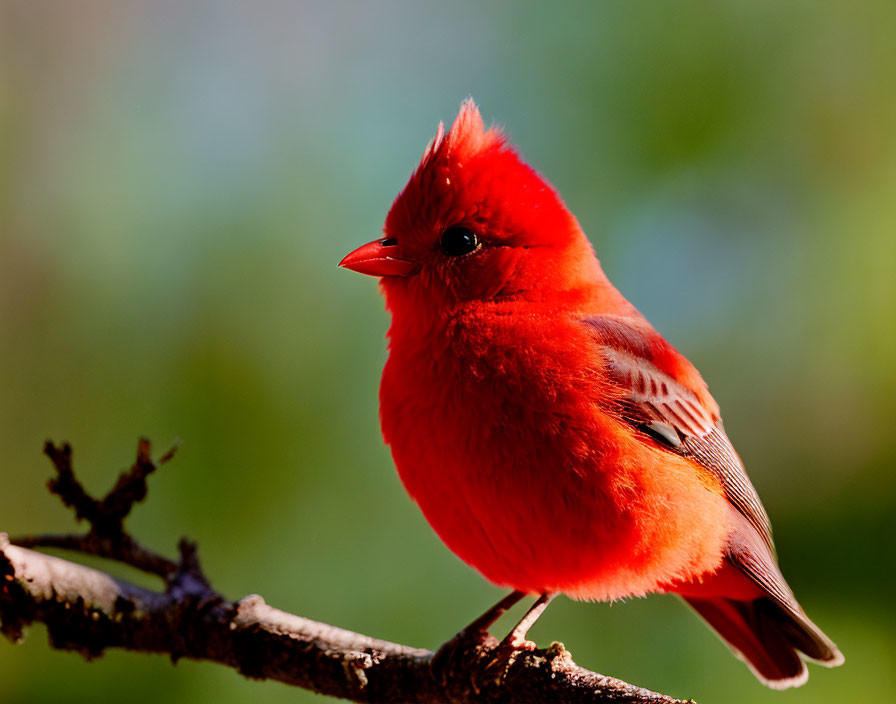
[{"x": 768, "y": 637}]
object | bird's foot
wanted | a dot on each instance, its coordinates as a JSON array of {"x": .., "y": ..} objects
[
  {"x": 476, "y": 652},
  {"x": 516, "y": 643},
  {"x": 459, "y": 655},
  {"x": 517, "y": 637},
  {"x": 466, "y": 647},
  {"x": 501, "y": 660}
]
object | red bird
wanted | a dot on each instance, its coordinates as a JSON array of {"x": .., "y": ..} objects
[{"x": 552, "y": 438}]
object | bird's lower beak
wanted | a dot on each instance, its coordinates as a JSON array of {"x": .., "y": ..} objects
[{"x": 378, "y": 258}]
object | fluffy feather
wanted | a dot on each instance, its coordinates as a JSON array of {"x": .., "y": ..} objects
[{"x": 552, "y": 438}]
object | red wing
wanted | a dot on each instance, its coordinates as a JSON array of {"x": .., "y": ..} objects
[
  {"x": 664, "y": 396},
  {"x": 671, "y": 412}
]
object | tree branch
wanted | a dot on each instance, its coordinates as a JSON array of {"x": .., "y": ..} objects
[{"x": 87, "y": 611}]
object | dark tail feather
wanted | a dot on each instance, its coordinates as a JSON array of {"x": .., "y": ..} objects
[{"x": 767, "y": 637}]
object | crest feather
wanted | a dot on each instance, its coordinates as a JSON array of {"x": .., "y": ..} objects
[
  {"x": 434, "y": 144},
  {"x": 466, "y": 137}
]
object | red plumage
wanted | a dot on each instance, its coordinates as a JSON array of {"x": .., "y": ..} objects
[{"x": 553, "y": 439}]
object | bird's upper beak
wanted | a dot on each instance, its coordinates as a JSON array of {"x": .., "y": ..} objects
[{"x": 379, "y": 258}]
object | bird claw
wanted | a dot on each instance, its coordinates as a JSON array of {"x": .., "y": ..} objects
[
  {"x": 517, "y": 643},
  {"x": 460, "y": 653},
  {"x": 452, "y": 652},
  {"x": 502, "y": 659},
  {"x": 481, "y": 654}
]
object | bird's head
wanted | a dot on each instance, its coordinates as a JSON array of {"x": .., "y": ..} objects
[{"x": 474, "y": 222}]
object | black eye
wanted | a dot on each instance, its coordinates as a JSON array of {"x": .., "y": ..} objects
[{"x": 457, "y": 241}]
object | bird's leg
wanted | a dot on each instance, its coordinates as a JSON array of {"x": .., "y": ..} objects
[
  {"x": 482, "y": 624},
  {"x": 471, "y": 636},
  {"x": 514, "y": 643},
  {"x": 517, "y": 637}
]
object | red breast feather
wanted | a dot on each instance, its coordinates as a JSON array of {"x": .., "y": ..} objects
[{"x": 497, "y": 423}]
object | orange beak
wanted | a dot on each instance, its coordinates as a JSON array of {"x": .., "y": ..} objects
[{"x": 378, "y": 258}]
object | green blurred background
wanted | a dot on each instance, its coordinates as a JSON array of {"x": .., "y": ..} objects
[{"x": 179, "y": 179}]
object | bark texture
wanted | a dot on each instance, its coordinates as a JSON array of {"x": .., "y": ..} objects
[{"x": 87, "y": 611}]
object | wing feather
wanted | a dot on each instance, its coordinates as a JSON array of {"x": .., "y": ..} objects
[
  {"x": 664, "y": 396},
  {"x": 653, "y": 396}
]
